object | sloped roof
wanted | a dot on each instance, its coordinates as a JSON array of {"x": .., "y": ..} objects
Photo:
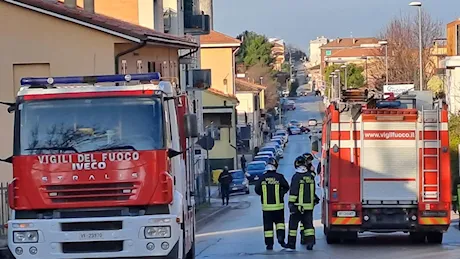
[
  {"x": 244, "y": 85},
  {"x": 103, "y": 23},
  {"x": 217, "y": 38},
  {"x": 348, "y": 42},
  {"x": 357, "y": 52},
  {"x": 222, "y": 94}
]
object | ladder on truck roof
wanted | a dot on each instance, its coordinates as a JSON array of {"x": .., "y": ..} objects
[{"x": 430, "y": 122}]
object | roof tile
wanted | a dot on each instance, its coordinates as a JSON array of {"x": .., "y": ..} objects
[
  {"x": 218, "y": 38},
  {"x": 358, "y": 52},
  {"x": 348, "y": 42},
  {"x": 105, "y": 22},
  {"x": 244, "y": 85},
  {"x": 222, "y": 94}
]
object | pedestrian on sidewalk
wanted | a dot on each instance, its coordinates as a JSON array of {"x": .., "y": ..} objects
[
  {"x": 225, "y": 179},
  {"x": 243, "y": 162},
  {"x": 271, "y": 188}
]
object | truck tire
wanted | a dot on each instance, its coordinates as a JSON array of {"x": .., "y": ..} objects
[
  {"x": 191, "y": 252},
  {"x": 417, "y": 237},
  {"x": 434, "y": 237},
  {"x": 331, "y": 237}
]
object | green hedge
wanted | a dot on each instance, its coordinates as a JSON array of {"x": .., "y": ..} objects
[{"x": 454, "y": 141}]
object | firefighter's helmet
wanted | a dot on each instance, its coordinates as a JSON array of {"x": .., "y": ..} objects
[
  {"x": 300, "y": 161},
  {"x": 272, "y": 165},
  {"x": 308, "y": 157}
]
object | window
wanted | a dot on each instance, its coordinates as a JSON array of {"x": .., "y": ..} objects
[
  {"x": 90, "y": 124},
  {"x": 458, "y": 40}
]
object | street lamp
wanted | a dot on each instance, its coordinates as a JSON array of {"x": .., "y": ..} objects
[
  {"x": 419, "y": 5},
  {"x": 332, "y": 84},
  {"x": 346, "y": 74},
  {"x": 385, "y": 43}
]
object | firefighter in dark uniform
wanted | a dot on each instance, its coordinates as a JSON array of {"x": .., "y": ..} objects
[
  {"x": 455, "y": 195},
  {"x": 309, "y": 164},
  {"x": 302, "y": 200},
  {"x": 272, "y": 187}
]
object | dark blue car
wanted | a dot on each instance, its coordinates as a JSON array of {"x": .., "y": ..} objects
[
  {"x": 240, "y": 183},
  {"x": 255, "y": 170}
]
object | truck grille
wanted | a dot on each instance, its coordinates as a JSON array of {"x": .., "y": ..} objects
[
  {"x": 90, "y": 192},
  {"x": 92, "y": 247}
]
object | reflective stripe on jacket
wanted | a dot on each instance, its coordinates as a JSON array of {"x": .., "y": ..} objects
[{"x": 271, "y": 188}]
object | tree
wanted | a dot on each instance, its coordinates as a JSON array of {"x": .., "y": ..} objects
[
  {"x": 355, "y": 78},
  {"x": 254, "y": 49},
  {"x": 264, "y": 73},
  {"x": 402, "y": 35}
]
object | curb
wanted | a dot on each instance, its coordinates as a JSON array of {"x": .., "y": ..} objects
[{"x": 210, "y": 217}]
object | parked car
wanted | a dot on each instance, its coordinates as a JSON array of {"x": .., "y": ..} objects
[
  {"x": 240, "y": 182},
  {"x": 272, "y": 149},
  {"x": 263, "y": 158},
  {"x": 289, "y": 105},
  {"x": 295, "y": 123},
  {"x": 280, "y": 138},
  {"x": 255, "y": 170},
  {"x": 283, "y": 134},
  {"x": 278, "y": 141},
  {"x": 294, "y": 130},
  {"x": 267, "y": 153},
  {"x": 278, "y": 147}
]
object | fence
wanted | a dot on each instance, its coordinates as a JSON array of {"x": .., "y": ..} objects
[{"x": 4, "y": 208}]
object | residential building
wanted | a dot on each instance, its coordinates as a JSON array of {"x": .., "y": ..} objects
[
  {"x": 451, "y": 67},
  {"x": 249, "y": 110},
  {"x": 50, "y": 38},
  {"x": 315, "y": 51},
  {"x": 219, "y": 102},
  {"x": 341, "y": 44},
  {"x": 278, "y": 53}
]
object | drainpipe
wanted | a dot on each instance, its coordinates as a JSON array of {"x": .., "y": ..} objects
[
  {"x": 190, "y": 53},
  {"x": 117, "y": 57}
]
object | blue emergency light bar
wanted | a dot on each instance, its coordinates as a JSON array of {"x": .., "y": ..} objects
[
  {"x": 89, "y": 79},
  {"x": 388, "y": 104}
]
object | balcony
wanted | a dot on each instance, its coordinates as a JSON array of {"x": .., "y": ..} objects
[{"x": 196, "y": 24}]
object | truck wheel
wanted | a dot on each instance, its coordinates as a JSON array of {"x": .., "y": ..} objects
[
  {"x": 434, "y": 237},
  {"x": 191, "y": 252},
  {"x": 417, "y": 237},
  {"x": 331, "y": 237}
]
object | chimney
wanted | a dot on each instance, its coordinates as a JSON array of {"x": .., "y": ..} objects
[
  {"x": 338, "y": 40},
  {"x": 70, "y": 3},
  {"x": 88, "y": 5},
  {"x": 354, "y": 41}
]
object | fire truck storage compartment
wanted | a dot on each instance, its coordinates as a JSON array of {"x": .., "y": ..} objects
[{"x": 389, "y": 163}]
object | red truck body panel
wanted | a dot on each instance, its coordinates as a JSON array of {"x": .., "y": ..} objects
[{"x": 88, "y": 180}]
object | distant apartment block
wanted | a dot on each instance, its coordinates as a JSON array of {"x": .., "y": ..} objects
[{"x": 278, "y": 51}]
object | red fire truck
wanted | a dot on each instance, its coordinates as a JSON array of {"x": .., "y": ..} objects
[
  {"x": 386, "y": 167},
  {"x": 100, "y": 170}
]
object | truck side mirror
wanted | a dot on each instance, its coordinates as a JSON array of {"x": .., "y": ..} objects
[
  {"x": 7, "y": 160},
  {"x": 315, "y": 146},
  {"x": 11, "y": 106},
  {"x": 191, "y": 126}
]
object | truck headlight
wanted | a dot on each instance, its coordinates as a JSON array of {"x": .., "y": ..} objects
[
  {"x": 157, "y": 232},
  {"x": 25, "y": 237}
]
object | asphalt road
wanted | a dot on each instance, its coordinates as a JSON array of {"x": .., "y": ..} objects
[{"x": 239, "y": 233}]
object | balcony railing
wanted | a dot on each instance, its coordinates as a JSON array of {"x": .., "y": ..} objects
[{"x": 197, "y": 24}]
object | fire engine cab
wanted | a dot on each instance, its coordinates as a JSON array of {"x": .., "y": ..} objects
[
  {"x": 99, "y": 169},
  {"x": 386, "y": 166}
]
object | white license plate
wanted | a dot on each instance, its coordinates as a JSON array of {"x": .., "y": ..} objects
[
  {"x": 346, "y": 214},
  {"x": 91, "y": 236},
  {"x": 234, "y": 188}
]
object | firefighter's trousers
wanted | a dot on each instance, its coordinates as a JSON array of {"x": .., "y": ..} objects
[
  {"x": 277, "y": 218},
  {"x": 306, "y": 218}
]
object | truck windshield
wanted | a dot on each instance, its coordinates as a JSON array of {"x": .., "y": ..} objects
[{"x": 83, "y": 125}]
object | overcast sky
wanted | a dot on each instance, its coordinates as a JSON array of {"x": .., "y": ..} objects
[{"x": 299, "y": 21}]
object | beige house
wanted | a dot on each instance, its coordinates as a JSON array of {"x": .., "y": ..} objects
[
  {"x": 219, "y": 102},
  {"x": 46, "y": 38},
  {"x": 251, "y": 103}
]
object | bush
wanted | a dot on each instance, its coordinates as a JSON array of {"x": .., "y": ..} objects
[{"x": 454, "y": 141}]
